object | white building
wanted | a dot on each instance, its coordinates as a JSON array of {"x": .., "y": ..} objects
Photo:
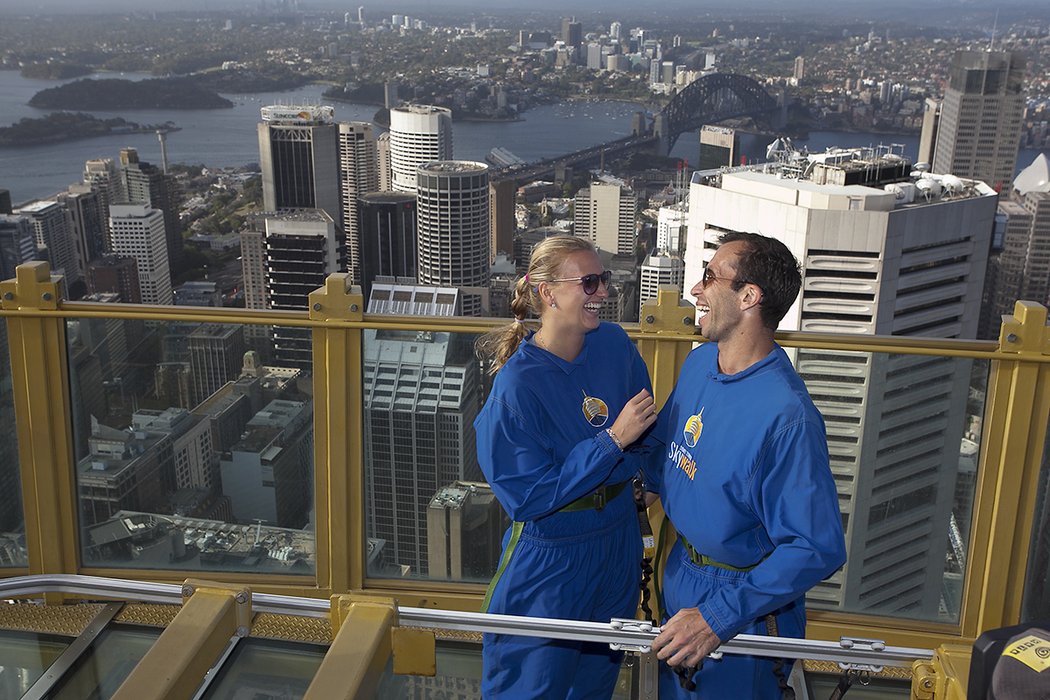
[
  {"x": 880, "y": 255},
  {"x": 136, "y": 230},
  {"x": 605, "y": 214},
  {"x": 418, "y": 134},
  {"x": 358, "y": 175},
  {"x": 671, "y": 224},
  {"x": 659, "y": 270},
  {"x": 452, "y": 210}
]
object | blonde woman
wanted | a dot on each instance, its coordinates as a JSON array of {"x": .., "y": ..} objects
[{"x": 568, "y": 400}]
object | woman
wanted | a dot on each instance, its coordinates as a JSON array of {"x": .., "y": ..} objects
[{"x": 567, "y": 401}]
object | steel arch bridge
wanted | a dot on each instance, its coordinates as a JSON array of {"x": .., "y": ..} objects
[{"x": 711, "y": 99}]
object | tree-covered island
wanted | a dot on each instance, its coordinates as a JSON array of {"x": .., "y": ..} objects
[
  {"x": 114, "y": 93},
  {"x": 68, "y": 126}
]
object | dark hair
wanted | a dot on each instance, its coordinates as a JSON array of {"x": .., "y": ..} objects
[{"x": 768, "y": 264}]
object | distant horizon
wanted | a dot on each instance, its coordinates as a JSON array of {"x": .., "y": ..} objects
[{"x": 892, "y": 11}]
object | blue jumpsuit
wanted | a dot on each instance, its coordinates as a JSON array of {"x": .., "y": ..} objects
[
  {"x": 744, "y": 477},
  {"x": 542, "y": 444}
]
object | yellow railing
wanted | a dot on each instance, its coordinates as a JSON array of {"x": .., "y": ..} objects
[{"x": 1014, "y": 432}]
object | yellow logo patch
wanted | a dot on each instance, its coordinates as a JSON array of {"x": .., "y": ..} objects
[
  {"x": 1032, "y": 651},
  {"x": 693, "y": 427},
  {"x": 595, "y": 411}
]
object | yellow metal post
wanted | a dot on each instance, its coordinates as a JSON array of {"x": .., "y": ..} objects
[
  {"x": 668, "y": 316},
  {"x": 339, "y": 437},
  {"x": 360, "y": 649},
  {"x": 945, "y": 676},
  {"x": 175, "y": 665},
  {"x": 40, "y": 383},
  {"x": 1012, "y": 452}
]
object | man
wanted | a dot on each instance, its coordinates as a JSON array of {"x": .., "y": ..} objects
[{"x": 744, "y": 477}]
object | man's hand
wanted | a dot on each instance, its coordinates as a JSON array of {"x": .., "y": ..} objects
[{"x": 685, "y": 640}]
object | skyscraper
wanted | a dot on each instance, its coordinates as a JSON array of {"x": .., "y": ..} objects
[
  {"x": 418, "y": 134},
  {"x": 17, "y": 243},
  {"x": 879, "y": 257},
  {"x": 53, "y": 229},
  {"x": 216, "y": 355},
  {"x": 86, "y": 217},
  {"x": 143, "y": 183},
  {"x": 358, "y": 175},
  {"x": 502, "y": 214},
  {"x": 388, "y": 237},
  {"x": 453, "y": 220},
  {"x": 136, "y": 230},
  {"x": 981, "y": 115},
  {"x": 302, "y": 249},
  {"x": 101, "y": 176},
  {"x": 117, "y": 274},
  {"x": 299, "y": 156},
  {"x": 659, "y": 270},
  {"x": 422, "y": 393},
  {"x": 605, "y": 214}
]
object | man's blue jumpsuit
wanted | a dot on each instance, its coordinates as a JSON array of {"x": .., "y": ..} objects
[
  {"x": 542, "y": 444},
  {"x": 744, "y": 477}
]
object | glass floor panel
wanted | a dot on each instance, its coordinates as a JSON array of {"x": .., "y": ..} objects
[
  {"x": 459, "y": 676},
  {"x": 105, "y": 664},
  {"x": 266, "y": 669},
  {"x": 24, "y": 656}
]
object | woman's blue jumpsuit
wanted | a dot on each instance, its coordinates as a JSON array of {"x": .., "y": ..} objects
[{"x": 542, "y": 444}]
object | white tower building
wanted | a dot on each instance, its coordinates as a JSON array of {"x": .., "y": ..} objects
[
  {"x": 880, "y": 255},
  {"x": 659, "y": 270},
  {"x": 358, "y": 175},
  {"x": 136, "y": 230},
  {"x": 605, "y": 214},
  {"x": 418, "y": 134},
  {"x": 453, "y": 218}
]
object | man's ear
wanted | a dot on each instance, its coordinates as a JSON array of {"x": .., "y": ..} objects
[{"x": 752, "y": 297}]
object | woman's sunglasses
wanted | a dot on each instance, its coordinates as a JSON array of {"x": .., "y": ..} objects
[{"x": 590, "y": 282}]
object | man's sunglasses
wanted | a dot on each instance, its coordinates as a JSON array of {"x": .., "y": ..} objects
[{"x": 589, "y": 282}]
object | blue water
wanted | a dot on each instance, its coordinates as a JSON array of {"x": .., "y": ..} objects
[{"x": 227, "y": 137}]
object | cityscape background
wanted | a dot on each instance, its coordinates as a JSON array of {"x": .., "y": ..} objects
[{"x": 240, "y": 158}]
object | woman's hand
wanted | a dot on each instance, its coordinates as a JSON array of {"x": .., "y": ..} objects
[{"x": 637, "y": 415}]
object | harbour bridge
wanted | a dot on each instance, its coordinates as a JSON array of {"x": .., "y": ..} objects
[{"x": 709, "y": 100}]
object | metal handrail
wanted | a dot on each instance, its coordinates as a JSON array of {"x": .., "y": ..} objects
[{"x": 623, "y": 634}]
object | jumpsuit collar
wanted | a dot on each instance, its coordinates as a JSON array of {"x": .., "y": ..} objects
[
  {"x": 766, "y": 361},
  {"x": 536, "y": 352}
]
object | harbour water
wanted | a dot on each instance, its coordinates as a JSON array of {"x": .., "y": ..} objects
[{"x": 227, "y": 137}]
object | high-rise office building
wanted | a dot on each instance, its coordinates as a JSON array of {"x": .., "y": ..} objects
[
  {"x": 888, "y": 258},
  {"x": 137, "y": 230},
  {"x": 931, "y": 117},
  {"x": 268, "y": 473},
  {"x": 388, "y": 237},
  {"x": 358, "y": 175},
  {"x": 605, "y": 214},
  {"x": 502, "y": 209},
  {"x": 465, "y": 527},
  {"x": 981, "y": 116},
  {"x": 302, "y": 249},
  {"x": 799, "y": 71},
  {"x": 1032, "y": 190},
  {"x": 86, "y": 216},
  {"x": 659, "y": 270},
  {"x": 422, "y": 393},
  {"x": 418, "y": 134},
  {"x": 143, "y": 183},
  {"x": 53, "y": 229},
  {"x": 192, "y": 451},
  {"x": 299, "y": 156},
  {"x": 17, "y": 243},
  {"x": 216, "y": 355},
  {"x": 102, "y": 177},
  {"x": 453, "y": 221},
  {"x": 719, "y": 146},
  {"x": 116, "y": 274},
  {"x": 671, "y": 223},
  {"x": 571, "y": 31},
  {"x": 383, "y": 162}
]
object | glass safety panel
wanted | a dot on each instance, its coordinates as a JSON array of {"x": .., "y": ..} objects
[
  {"x": 12, "y": 520},
  {"x": 903, "y": 435},
  {"x": 429, "y": 512},
  {"x": 265, "y": 668},
  {"x": 1036, "y": 605},
  {"x": 194, "y": 445},
  {"x": 105, "y": 664},
  {"x": 24, "y": 657},
  {"x": 458, "y": 675}
]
